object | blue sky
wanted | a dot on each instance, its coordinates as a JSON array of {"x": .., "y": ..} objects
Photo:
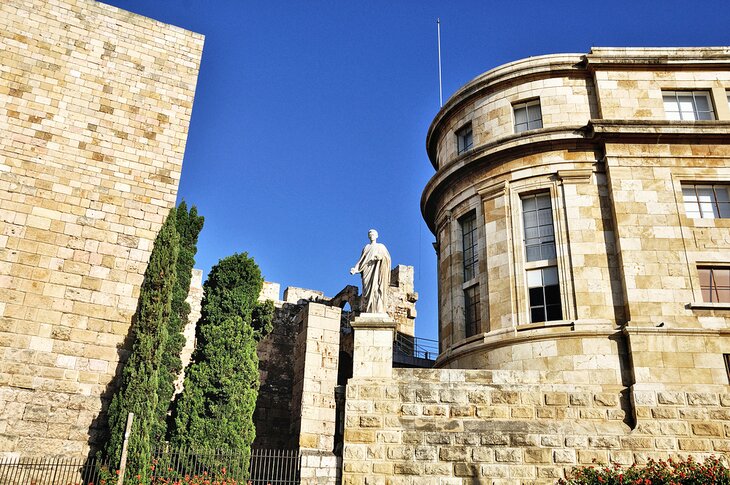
[{"x": 310, "y": 117}]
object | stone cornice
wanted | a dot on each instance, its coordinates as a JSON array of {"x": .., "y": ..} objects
[
  {"x": 652, "y": 131},
  {"x": 656, "y": 57}
]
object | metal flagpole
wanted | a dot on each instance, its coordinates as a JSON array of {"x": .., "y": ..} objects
[{"x": 438, "y": 33}]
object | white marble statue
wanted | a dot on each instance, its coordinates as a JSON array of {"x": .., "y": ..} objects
[{"x": 374, "y": 266}]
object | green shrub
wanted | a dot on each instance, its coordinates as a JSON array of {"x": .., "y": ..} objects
[{"x": 669, "y": 472}]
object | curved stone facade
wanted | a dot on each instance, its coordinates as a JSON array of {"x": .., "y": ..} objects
[{"x": 566, "y": 241}]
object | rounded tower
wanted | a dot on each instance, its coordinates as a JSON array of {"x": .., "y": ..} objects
[{"x": 558, "y": 205}]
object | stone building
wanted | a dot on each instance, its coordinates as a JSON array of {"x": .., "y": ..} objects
[
  {"x": 95, "y": 104},
  {"x": 581, "y": 208}
]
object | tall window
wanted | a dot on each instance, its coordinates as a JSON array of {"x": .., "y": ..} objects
[
  {"x": 528, "y": 116},
  {"x": 542, "y": 279},
  {"x": 715, "y": 284},
  {"x": 469, "y": 243},
  {"x": 706, "y": 201},
  {"x": 688, "y": 105},
  {"x": 464, "y": 139},
  {"x": 537, "y": 214}
]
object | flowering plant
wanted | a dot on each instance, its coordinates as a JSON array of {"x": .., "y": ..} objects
[{"x": 669, "y": 472}]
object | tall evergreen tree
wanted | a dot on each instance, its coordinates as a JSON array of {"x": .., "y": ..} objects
[
  {"x": 138, "y": 392},
  {"x": 216, "y": 407},
  {"x": 188, "y": 225}
]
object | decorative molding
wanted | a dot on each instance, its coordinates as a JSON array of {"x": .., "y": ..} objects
[{"x": 578, "y": 176}]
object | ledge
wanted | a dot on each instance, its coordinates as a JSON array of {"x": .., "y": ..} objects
[
  {"x": 708, "y": 306},
  {"x": 653, "y": 129}
]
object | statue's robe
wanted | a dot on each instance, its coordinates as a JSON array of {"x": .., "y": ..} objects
[{"x": 374, "y": 265}]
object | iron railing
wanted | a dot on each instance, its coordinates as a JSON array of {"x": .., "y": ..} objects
[
  {"x": 50, "y": 471},
  {"x": 264, "y": 467},
  {"x": 421, "y": 348}
]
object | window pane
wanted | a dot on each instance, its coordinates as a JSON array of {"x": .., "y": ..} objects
[
  {"x": 536, "y": 124},
  {"x": 534, "y": 278},
  {"x": 520, "y": 115},
  {"x": 529, "y": 204},
  {"x": 723, "y": 295},
  {"x": 534, "y": 253},
  {"x": 552, "y": 295},
  {"x": 724, "y": 209},
  {"x": 550, "y": 276},
  {"x": 673, "y": 115},
  {"x": 543, "y": 201},
  {"x": 533, "y": 112},
  {"x": 537, "y": 314},
  {"x": 721, "y": 277},
  {"x": 536, "y": 297},
  {"x": 703, "y": 104},
  {"x": 554, "y": 312},
  {"x": 704, "y": 276},
  {"x": 705, "y": 115},
  {"x": 548, "y": 251}
]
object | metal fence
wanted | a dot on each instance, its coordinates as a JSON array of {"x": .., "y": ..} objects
[
  {"x": 170, "y": 465},
  {"x": 50, "y": 471}
]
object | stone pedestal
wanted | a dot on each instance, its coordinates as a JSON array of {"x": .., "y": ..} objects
[{"x": 373, "y": 350}]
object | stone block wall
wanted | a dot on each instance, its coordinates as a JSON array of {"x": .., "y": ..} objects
[
  {"x": 512, "y": 427},
  {"x": 95, "y": 104}
]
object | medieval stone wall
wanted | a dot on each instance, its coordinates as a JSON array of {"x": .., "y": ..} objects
[
  {"x": 510, "y": 427},
  {"x": 95, "y": 104}
]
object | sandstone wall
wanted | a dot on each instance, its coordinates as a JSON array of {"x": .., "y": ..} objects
[
  {"x": 511, "y": 427},
  {"x": 95, "y": 104}
]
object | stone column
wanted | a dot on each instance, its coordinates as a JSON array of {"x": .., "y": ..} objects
[
  {"x": 316, "y": 355},
  {"x": 373, "y": 351}
]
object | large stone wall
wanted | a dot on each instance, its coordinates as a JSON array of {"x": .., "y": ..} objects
[
  {"x": 510, "y": 427},
  {"x": 95, "y": 104}
]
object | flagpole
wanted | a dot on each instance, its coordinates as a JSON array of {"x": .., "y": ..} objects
[{"x": 438, "y": 33}]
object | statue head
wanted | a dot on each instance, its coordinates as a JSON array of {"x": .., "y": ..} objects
[{"x": 372, "y": 235}]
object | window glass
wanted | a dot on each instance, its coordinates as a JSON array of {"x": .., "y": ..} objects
[
  {"x": 544, "y": 294},
  {"x": 464, "y": 139},
  {"x": 537, "y": 216},
  {"x": 528, "y": 116},
  {"x": 715, "y": 284},
  {"x": 469, "y": 241},
  {"x": 706, "y": 201},
  {"x": 472, "y": 311},
  {"x": 688, "y": 105}
]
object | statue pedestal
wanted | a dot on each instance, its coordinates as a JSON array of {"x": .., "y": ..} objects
[{"x": 373, "y": 346}]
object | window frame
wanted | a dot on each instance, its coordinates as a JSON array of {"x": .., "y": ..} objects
[
  {"x": 706, "y": 93},
  {"x": 543, "y": 264},
  {"x": 468, "y": 216},
  {"x": 470, "y": 236},
  {"x": 713, "y": 288},
  {"x": 719, "y": 209},
  {"x": 464, "y": 138},
  {"x": 528, "y": 124}
]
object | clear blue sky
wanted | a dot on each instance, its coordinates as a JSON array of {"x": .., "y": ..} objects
[{"x": 310, "y": 117}]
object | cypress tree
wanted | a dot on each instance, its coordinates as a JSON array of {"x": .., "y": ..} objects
[
  {"x": 188, "y": 225},
  {"x": 215, "y": 409},
  {"x": 138, "y": 392}
]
